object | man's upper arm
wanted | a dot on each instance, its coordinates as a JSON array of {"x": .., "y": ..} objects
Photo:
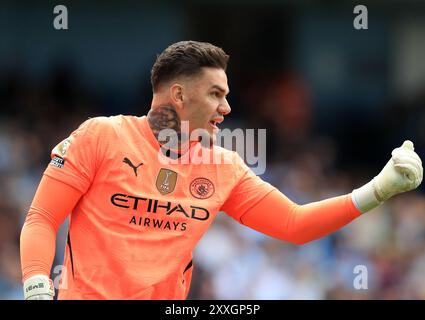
[
  {"x": 54, "y": 200},
  {"x": 249, "y": 189},
  {"x": 74, "y": 160},
  {"x": 262, "y": 207}
]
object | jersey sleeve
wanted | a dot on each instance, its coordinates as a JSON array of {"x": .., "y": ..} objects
[
  {"x": 248, "y": 190},
  {"x": 74, "y": 160},
  {"x": 52, "y": 202},
  {"x": 279, "y": 217}
]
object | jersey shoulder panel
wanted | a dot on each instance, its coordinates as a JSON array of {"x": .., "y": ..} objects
[{"x": 232, "y": 158}]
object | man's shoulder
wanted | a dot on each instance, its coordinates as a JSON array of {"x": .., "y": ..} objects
[
  {"x": 230, "y": 156},
  {"x": 100, "y": 122},
  {"x": 103, "y": 124},
  {"x": 221, "y": 150}
]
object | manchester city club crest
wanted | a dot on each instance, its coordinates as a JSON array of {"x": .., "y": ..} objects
[{"x": 202, "y": 188}]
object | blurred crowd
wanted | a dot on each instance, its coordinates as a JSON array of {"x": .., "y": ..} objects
[{"x": 232, "y": 261}]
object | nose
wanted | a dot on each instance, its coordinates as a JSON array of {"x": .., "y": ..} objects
[{"x": 224, "y": 108}]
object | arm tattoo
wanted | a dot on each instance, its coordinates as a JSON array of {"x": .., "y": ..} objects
[{"x": 164, "y": 117}]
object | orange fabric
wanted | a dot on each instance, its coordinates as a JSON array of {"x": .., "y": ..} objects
[
  {"x": 132, "y": 233},
  {"x": 47, "y": 212},
  {"x": 279, "y": 217}
]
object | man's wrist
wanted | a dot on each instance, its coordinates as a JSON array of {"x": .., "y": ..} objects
[
  {"x": 366, "y": 198},
  {"x": 39, "y": 287}
]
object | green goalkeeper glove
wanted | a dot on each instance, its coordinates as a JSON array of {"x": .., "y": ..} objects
[
  {"x": 403, "y": 172},
  {"x": 39, "y": 287}
]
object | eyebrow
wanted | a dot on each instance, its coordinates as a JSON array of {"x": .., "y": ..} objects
[{"x": 220, "y": 89}]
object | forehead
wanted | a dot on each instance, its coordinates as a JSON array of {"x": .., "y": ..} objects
[{"x": 213, "y": 77}]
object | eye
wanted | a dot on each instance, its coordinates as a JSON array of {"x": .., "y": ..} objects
[{"x": 216, "y": 94}]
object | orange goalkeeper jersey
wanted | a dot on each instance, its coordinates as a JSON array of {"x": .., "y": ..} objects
[{"x": 132, "y": 233}]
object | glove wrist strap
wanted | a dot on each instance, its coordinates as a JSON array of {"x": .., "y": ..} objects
[
  {"x": 38, "y": 285},
  {"x": 366, "y": 198}
]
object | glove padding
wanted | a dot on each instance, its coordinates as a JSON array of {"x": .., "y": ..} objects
[
  {"x": 39, "y": 287},
  {"x": 403, "y": 172}
]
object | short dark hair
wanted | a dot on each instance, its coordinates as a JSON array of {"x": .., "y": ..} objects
[{"x": 186, "y": 58}]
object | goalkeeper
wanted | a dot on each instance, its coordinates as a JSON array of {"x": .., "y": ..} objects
[{"x": 134, "y": 221}]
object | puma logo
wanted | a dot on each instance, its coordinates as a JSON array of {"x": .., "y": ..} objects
[{"x": 128, "y": 161}]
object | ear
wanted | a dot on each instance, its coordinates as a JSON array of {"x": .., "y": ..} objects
[{"x": 176, "y": 94}]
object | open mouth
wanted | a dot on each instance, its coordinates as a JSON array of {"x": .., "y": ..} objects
[{"x": 214, "y": 124}]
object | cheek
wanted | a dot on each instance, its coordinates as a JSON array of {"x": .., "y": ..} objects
[
  {"x": 203, "y": 109},
  {"x": 211, "y": 105}
]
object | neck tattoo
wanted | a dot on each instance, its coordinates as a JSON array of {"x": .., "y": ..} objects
[{"x": 164, "y": 117}]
